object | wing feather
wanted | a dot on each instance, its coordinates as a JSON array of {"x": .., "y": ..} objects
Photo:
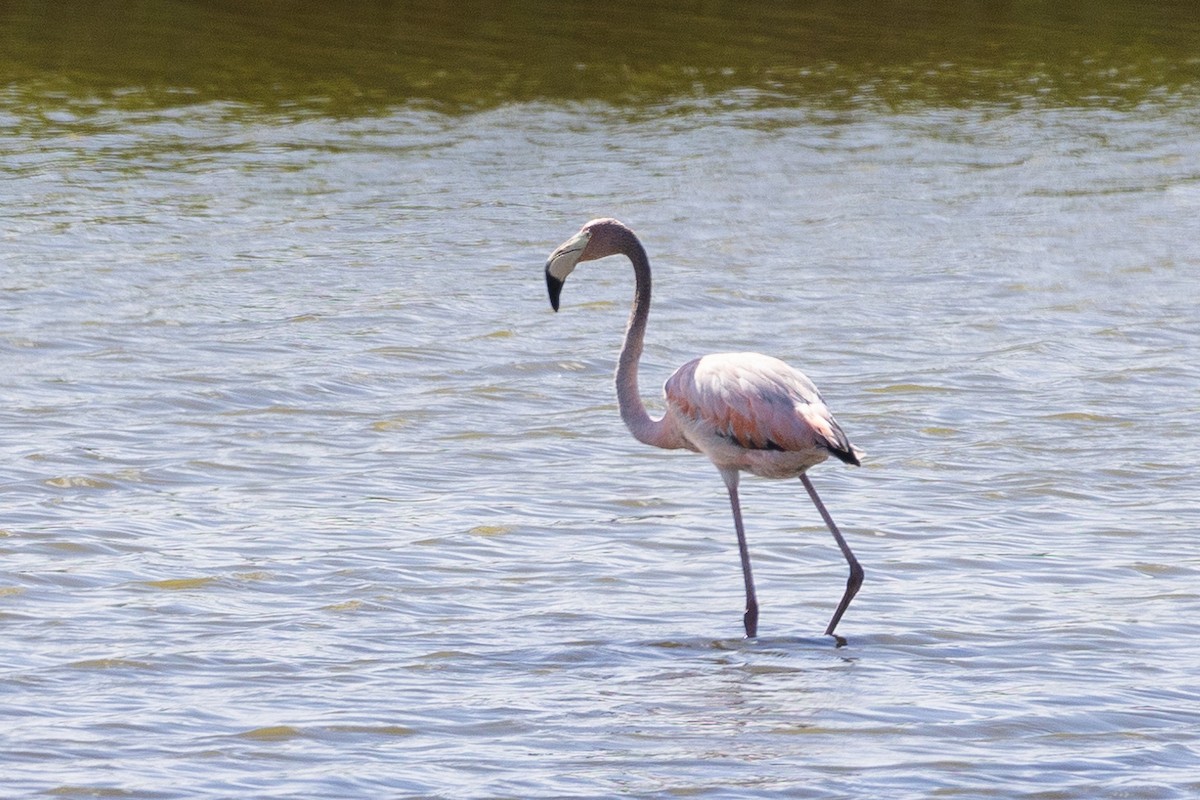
[{"x": 756, "y": 402}]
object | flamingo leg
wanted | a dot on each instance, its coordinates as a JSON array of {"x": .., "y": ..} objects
[
  {"x": 750, "y": 618},
  {"x": 856, "y": 570}
]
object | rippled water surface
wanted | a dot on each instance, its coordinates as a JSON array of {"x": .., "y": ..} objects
[{"x": 306, "y": 492}]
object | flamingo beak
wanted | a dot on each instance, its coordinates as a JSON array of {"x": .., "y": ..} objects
[
  {"x": 562, "y": 262},
  {"x": 554, "y": 285}
]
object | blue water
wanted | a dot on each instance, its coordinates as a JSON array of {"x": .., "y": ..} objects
[{"x": 307, "y": 492}]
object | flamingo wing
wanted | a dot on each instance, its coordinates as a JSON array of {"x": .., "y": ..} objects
[{"x": 757, "y": 403}]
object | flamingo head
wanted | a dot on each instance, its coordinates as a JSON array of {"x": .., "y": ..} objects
[
  {"x": 597, "y": 239},
  {"x": 562, "y": 262}
]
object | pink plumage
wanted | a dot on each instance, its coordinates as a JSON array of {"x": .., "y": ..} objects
[
  {"x": 754, "y": 413},
  {"x": 745, "y": 411}
]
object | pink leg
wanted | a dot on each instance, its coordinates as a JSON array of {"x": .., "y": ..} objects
[
  {"x": 856, "y": 571},
  {"x": 750, "y": 618}
]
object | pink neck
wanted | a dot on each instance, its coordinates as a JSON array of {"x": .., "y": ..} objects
[{"x": 650, "y": 431}]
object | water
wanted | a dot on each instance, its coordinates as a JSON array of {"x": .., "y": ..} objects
[{"x": 307, "y": 492}]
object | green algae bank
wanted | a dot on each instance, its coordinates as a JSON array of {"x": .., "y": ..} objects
[{"x": 305, "y": 491}]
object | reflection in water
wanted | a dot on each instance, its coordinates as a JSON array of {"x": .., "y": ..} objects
[{"x": 312, "y": 57}]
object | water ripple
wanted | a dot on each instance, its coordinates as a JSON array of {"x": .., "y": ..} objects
[{"x": 308, "y": 493}]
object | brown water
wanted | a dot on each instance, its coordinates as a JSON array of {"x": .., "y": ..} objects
[{"x": 307, "y": 493}]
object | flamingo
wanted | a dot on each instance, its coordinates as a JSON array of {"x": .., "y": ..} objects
[{"x": 745, "y": 411}]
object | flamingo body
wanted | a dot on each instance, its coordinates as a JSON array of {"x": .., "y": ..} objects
[
  {"x": 754, "y": 413},
  {"x": 747, "y": 412}
]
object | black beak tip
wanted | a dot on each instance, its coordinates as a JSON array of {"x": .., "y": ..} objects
[{"x": 554, "y": 285}]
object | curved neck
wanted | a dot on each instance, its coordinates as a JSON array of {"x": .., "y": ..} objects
[{"x": 633, "y": 411}]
